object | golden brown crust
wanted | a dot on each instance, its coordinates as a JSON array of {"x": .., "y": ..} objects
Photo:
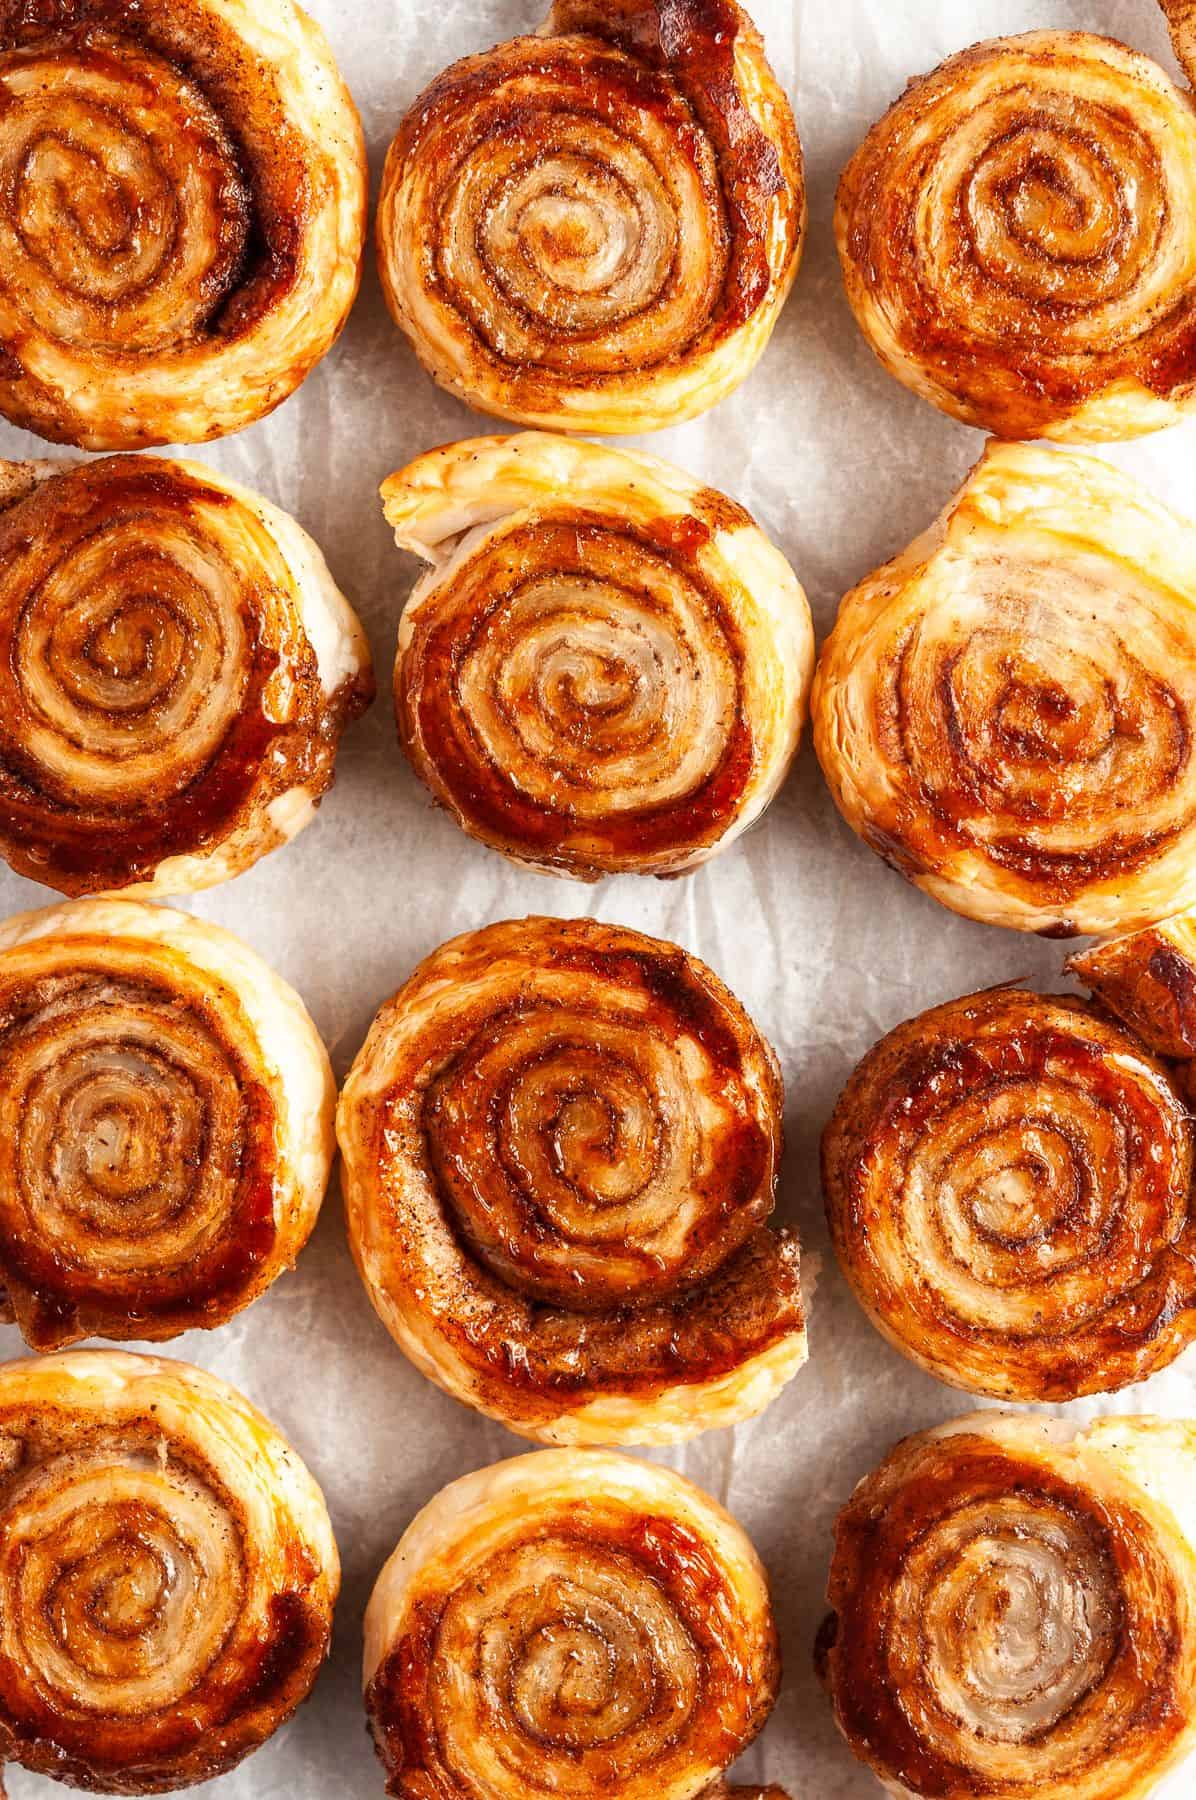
[
  {"x": 606, "y": 667},
  {"x": 568, "y": 1622},
  {"x": 1148, "y": 978},
  {"x": 182, "y": 214},
  {"x": 1015, "y": 238},
  {"x": 560, "y": 1147},
  {"x": 165, "y": 716},
  {"x": 166, "y": 1111},
  {"x": 723, "y": 1790},
  {"x": 168, "y": 1573},
  {"x": 1006, "y": 712},
  {"x": 595, "y": 228},
  {"x": 1014, "y": 1610},
  {"x": 1008, "y": 1182}
]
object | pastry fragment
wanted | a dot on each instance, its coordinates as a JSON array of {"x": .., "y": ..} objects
[
  {"x": 560, "y": 1146},
  {"x": 182, "y": 215},
  {"x": 1148, "y": 978},
  {"x": 1014, "y": 1610},
  {"x": 1008, "y": 1183},
  {"x": 1016, "y": 239},
  {"x": 167, "y": 1573},
  {"x": 176, "y": 668},
  {"x": 724, "y": 1790},
  {"x": 605, "y": 668},
  {"x": 569, "y": 1622},
  {"x": 595, "y": 228},
  {"x": 1006, "y": 712},
  {"x": 166, "y": 1123}
]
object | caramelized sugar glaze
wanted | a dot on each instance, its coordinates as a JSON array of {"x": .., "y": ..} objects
[
  {"x": 561, "y": 1142},
  {"x": 1016, "y": 237},
  {"x": 182, "y": 214},
  {"x": 606, "y": 1626},
  {"x": 168, "y": 1573},
  {"x": 595, "y": 228},
  {"x": 165, "y": 717}
]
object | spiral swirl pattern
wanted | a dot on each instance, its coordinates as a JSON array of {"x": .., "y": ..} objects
[
  {"x": 1005, "y": 712},
  {"x": 1008, "y": 1183},
  {"x": 612, "y": 675},
  {"x": 167, "y": 1573},
  {"x": 1013, "y": 1611},
  {"x": 158, "y": 691},
  {"x": 561, "y": 1143},
  {"x": 181, "y": 215},
  {"x": 1014, "y": 237},
  {"x": 165, "y": 1123},
  {"x": 117, "y": 237},
  {"x": 597, "y": 227},
  {"x": 610, "y": 1629}
]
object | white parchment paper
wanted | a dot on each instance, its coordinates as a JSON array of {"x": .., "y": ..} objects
[{"x": 825, "y": 947}]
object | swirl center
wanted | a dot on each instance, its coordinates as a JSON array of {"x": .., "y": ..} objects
[
  {"x": 124, "y": 216},
  {"x": 1018, "y": 1621}
]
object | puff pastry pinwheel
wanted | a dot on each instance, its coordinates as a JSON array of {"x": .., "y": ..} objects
[
  {"x": 560, "y": 1147},
  {"x": 595, "y": 228},
  {"x": 182, "y": 215},
  {"x": 166, "y": 1123},
  {"x": 1008, "y": 1183},
  {"x": 1006, "y": 712},
  {"x": 571, "y": 1622},
  {"x": 167, "y": 1573},
  {"x": 1014, "y": 1610},
  {"x": 176, "y": 668},
  {"x": 606, "y": 667},
  {"x": 1016, "y": 237}
]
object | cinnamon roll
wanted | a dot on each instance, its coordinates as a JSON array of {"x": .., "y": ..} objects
[
  {"x": 176, "y": 668},
  {"x": 1148, "y": 979},
  {"x": 1014, "y": 1610},
  {"x": 568, "y": 1622},
  {"x": 560, "y": 1149},
  {"x": 1008, "y": 1183},
  {"x": 595, "y": 228},
  {"x": 167, "y": 1573},
  {"x": 1016, "y": 237},
  {"x": 166, "y": 1123},
  {"x": 1006, "y": 712},
  {"x": 605, "y": 669},
  {"x": 182, "y": 215}
]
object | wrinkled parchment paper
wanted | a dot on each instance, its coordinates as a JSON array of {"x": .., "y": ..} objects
[{"x": 826, "y": 948}]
